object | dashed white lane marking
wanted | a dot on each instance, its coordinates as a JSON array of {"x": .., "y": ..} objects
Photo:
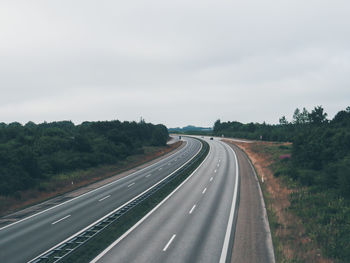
[
  {"x": 218, "y": 165},
  {"x": 131, "y": 184},
  {"x": 219, "y": 160},
  {"x": 104, "y": 198},
  {"x": 169, "y": 242},
  {"x": 205, "y": 189},
  {"x": 211, "y": 179},
  {"x": 193, "y": 207},
  {"x": 59, "y": 220},
  {"x": 148, "y": 175},
  {"x": 160, "y": 168},
  {"x": 215, "y": 171}
]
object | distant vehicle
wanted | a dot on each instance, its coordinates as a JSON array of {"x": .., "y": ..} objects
[{"x": 211, "y": 138}]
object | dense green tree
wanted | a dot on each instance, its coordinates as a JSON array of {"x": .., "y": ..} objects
[
  {"x": 31, "y": 152},
  {"x": 318, "y": 116}
]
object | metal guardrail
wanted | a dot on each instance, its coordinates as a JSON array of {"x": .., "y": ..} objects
[{"x": 59, "y": 253}]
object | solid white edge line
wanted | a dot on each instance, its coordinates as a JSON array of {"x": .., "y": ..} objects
[
  {"x": 169, "y": 242},
  {"x": 99, "y": 220},
  {"x": 103, "y": 186},
  {"x": 232, "y": 212},
  {"x": 146, "y": 216},
  {"x": 104, "y": 198},
  {"x": 193, "y": 207},
  {"x": 59, "y": 220}
]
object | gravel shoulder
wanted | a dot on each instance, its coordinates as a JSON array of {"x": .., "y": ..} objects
[{"x": 252, "y": 241}]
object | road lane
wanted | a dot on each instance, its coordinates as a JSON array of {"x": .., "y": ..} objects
[
  {"x": 192, "y": 224},
  {"x": 36, "y": 234}
]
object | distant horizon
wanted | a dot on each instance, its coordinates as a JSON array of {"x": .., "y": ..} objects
[{"x": 288, "y": 117}]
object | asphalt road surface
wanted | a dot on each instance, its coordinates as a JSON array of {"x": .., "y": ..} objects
[
  {"x": 28, "y": 238},
  {"x": 196, "y": 223}
]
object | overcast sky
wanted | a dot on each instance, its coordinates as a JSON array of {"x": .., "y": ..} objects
[{"x": 172, "y": 62}]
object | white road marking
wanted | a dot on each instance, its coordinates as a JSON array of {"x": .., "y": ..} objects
[
  {"x": 193, "y": 207},
  {"x": 160, "y": 168},
  {"x": 211, "y": 179},
  {"x": 215, "y": 171},
  {"x": 218, "y": 165},
  {"x": 59, "y": 220},
  {"x": 219, "y": 160},
  {"x": 104, "y": 198},
  {"x": 131, "y": 184},
  {"x": 205, "y": 189},
  {"x": 148, "y": 175},
  {"x": 169, "y": 242}
]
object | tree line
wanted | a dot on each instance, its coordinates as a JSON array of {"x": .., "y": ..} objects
[{"x": 33, "y": 152}]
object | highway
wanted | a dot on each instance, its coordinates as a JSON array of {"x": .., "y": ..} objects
[
  {"x": 28, "y": 238},
  {"x": 195, "y": 223}
]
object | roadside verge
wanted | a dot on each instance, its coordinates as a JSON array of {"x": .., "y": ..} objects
[{"x": 253, "y": 242}]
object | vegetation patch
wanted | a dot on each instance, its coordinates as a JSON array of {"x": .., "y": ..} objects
[
  {"x": 39, "y": 158},
  {"x": 306, "y": 225}
]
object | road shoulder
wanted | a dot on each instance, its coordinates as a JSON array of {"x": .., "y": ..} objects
[{"x": 252, "y": 241}]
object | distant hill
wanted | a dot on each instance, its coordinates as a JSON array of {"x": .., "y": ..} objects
[{"x": 190, "y": 128}]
